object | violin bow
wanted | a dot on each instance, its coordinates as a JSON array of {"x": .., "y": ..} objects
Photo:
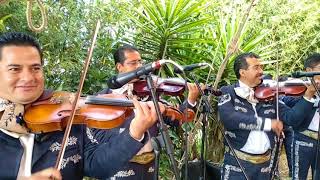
[
  {"x": 279, "y": 138},
  {"x": 74, "y": 104}
]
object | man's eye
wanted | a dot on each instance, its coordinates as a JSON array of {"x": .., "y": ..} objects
[
  {"x": 37, "y": 68},
  {"x": 14, "y": 69}
]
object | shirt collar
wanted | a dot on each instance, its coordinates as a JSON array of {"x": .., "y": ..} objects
[
  {"x": 245, "y": 92},
  {"x": 12, "y": 134},
  {"x": 242, "y": 84},
  {"x": 123, "y": 89}
]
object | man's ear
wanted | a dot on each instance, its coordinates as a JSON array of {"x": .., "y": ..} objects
[
  {"x": 119, "y": 67},
  {"x": 241, "y": 72},
  {"x": 308, "y": 69}
]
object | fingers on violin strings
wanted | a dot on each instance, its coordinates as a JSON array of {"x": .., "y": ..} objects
[
  {"x": 163, "y": 107},
  {"x": 189, "y": 86},
  {"x": 137, "y": 105},
  {"x": 146, "y": 109},
  {"x": 153, "y": 109},
  {"x": 154, "y": 112},
  {"x": 203, "y": 86}
]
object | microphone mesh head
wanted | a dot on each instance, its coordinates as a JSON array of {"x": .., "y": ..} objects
[{"x": 296, "y": 74}]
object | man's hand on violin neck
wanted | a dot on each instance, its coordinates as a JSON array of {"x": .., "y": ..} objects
[
  {"x": 276, "y": 126},
  {"x": 310, "y": 92},
  {"x": 145, "y": 117},
  {"x": 193, "y": 92}
]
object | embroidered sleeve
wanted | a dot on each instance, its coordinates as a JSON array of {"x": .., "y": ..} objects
[
  {"x": 297, "y": 114},
  {"x": 112, "y": 152}
]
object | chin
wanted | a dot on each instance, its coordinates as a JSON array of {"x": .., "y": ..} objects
[
  {"x": 259, "y": 82},
  {"x": 27, "y": 100}
]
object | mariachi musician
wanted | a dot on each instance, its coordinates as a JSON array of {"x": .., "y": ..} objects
[
  {"x": 127, "y": 58},
  {"x": 250, "y": 124},
  {"x": 304, "y": 137},
  {"x": 25, "y": 155}
]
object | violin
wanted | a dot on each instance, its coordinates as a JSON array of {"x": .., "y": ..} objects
[
  {"x": 103, "y": 112},
  {"x": 167, "y": 86},
  {"x": 292, "y": 87}
]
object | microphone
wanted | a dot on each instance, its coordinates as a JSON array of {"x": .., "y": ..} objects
[
  {"x": 119, "y": 80},
  {"x": 299, "y": 74},
  {"x": 190, "y": 67}
]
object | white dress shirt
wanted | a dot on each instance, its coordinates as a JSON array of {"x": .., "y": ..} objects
[
  {"x": 314, "y": 125},
  {"x": 258, "y": 141}
]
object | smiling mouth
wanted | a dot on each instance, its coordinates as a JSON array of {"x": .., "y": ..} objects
[{"x": 26, "y": 87}]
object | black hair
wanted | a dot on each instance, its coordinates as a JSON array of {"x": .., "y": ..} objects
[
  {"x": 241, "y": 62},
  {"x": 119, "y": 54},
  {"x": 312, "y": 61},
  {"x": 19, "y": 39}
]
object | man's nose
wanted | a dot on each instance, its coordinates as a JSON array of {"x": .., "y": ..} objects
[{"x": 27, "y": 75}]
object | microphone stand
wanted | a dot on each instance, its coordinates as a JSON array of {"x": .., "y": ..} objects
[
  {"x": 156, "y": 144},
  {"x": 206, "y": 110},
  {"x": 318, "y": 140},
  {"x": 163, "y": 130},
  {"x": 186, "y": 151},
  {"x": 186, "y": 135}
]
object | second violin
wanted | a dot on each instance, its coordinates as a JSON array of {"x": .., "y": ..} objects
[{"x": 292, "y": 87}]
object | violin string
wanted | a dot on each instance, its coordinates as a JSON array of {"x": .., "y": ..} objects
[
  {"x": 108, "y": 101},
  {"x": 280, "y": 137}
]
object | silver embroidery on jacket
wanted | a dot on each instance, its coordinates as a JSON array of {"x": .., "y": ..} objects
[
  {"x": 237, "y": 108},
  {"x": 229, "y": 168},
  {"x": 90, "y": 136},
  {"x": 150, "y": 170},
  {"x": 224, "y": 99},
  {"x": 75, "y": 159},
  {"x": 268, "y": 111},
  {"x": 57, "y": 146},
  {"x": 125, "y": 173},
  {"x": 251, "y": 126},
  {"x": 266, "y": 105},
  {"x": 236, "y": 100},
  {"x": 266, "y": 170},
  {"x": 230, "y": 134}
]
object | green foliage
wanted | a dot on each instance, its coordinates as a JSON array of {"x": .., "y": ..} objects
[
  {"x": 67, "y": 38},
  {"x": 295, "y": 31},
  {"x": 2, "y": 21},
  {"x": 230, "y": 16},
  {"x": 170, "y": 29}
]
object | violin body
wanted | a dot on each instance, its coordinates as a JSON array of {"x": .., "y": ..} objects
[
  {"x": 104, "y": 111},
  {"x": 52, "y": 114}
]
